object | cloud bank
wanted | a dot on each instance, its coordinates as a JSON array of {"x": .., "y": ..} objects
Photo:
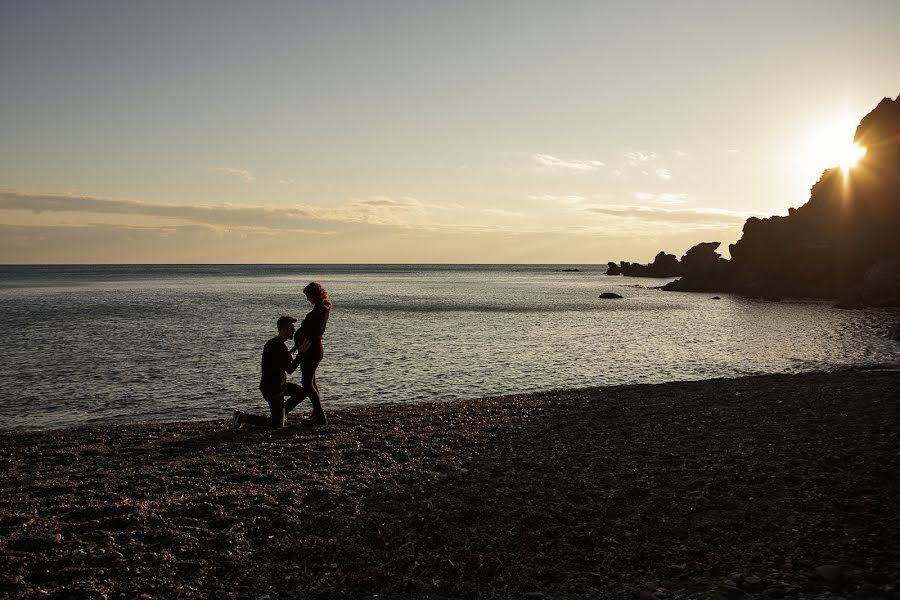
[
  {"x": 52, "y": 228},
  {"x": 375, "y": 210}
]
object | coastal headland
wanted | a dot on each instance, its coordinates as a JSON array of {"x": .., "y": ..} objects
[
  {"x": 757, "y": 487},
  {"x": 842, "y": 244}
]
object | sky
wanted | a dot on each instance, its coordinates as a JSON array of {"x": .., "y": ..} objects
[{"x": 421, "y": 131}]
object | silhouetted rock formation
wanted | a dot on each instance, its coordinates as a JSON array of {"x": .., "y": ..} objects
[
  {"x": 664, "y": 265},
  {"x": 844, "y": 243},
  {"x": 609, "y": 296},
  {"x": 703, "y": 267},
  {"x": 702, "y": 259}
]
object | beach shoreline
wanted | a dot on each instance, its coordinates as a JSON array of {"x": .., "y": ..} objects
[{"x": 762, "y": 486}]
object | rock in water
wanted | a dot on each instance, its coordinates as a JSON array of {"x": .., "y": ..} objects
[{"x": 608, "y": 295}]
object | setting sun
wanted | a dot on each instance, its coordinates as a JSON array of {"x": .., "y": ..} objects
[
  {"x": 855, "y": 153},
  {"x": 847, "y": 156},
  {"x": 830, "y": 145}
]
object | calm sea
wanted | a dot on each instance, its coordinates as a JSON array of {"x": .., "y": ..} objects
[{"x": 87, "y": 344}]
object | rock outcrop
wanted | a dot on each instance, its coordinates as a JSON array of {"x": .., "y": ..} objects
[
  {"x": 844, "y": 243},
  {"x": 664, "y": 265},
  {"x": 703, "y": 267},
  {"x": 702, "y": 259}
]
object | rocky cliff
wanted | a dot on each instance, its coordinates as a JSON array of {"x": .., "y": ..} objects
[{"x": 844, "y": 243}]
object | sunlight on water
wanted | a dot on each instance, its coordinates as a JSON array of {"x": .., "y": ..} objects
[{"x": 117, "y": 344}]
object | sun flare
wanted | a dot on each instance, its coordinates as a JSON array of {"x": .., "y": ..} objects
[
  {"x": 830, "y": 145},
  {"x": 848, "y": 156}
]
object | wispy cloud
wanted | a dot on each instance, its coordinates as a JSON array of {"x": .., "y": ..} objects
[
  {"x": 245, "y": 175},
  {"x": 667, "y": 198},
  {"x": 638, "y": 157},
  {"x": 565, "y": 199},
  {"x": 660, "y": 208},
  {"x": 379, "y": 210},
  {"x": 499, "y": 212},
  {"x": 547, "y": 162},
  {"x": 647, "y": 163},
  {"x": 286, "y": 181},
  {"x": 443, "y": 206},
  {"x": 404, "y": 204},
  {"x": 674, "y": 215}
]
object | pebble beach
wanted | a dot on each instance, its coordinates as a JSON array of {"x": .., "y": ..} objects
[{"x": 774, "y": 486}]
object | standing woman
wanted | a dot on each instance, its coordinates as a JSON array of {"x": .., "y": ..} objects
[{"x": 309, "y": 338}]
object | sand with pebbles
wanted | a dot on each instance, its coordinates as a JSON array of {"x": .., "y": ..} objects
[{"x": 769, "y": 487}]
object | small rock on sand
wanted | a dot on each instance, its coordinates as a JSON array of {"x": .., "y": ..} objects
[{"x": 829, "y": 573}]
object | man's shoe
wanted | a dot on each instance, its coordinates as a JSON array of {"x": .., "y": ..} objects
[
  {"x": 237, "y": 419},
  {"x": 317, "y": 419}
]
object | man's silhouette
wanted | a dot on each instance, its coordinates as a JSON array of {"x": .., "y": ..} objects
[{"x": 276, "y": 364}]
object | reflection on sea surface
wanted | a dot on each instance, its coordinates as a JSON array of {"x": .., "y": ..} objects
[{"x": 88, "y": 344}]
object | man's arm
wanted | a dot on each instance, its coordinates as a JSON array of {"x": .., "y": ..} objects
[
  {"x": 292, "y": 362},
  {"x": 302, "y": 348}
]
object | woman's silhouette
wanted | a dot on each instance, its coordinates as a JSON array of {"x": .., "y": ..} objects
[{"x": 310, "y": 334}]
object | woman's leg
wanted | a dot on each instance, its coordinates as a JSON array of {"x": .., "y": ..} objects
[
  {"x": 311, "y": 388},
  {"x": 314, "y": 395}
]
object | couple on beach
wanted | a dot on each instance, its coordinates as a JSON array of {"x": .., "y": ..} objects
[{"x": 278, "y": 362}]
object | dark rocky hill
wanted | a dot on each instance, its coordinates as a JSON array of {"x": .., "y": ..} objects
[{"x": 844, "y": 243}]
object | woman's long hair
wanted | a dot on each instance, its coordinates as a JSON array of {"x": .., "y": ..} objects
[{"x": 315, "y": 291}]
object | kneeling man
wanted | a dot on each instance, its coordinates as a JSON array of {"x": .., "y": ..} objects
[{"x": 276, "y": 364}]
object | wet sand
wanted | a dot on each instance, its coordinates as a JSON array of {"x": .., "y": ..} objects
[{"x": 769, "y": 487}]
